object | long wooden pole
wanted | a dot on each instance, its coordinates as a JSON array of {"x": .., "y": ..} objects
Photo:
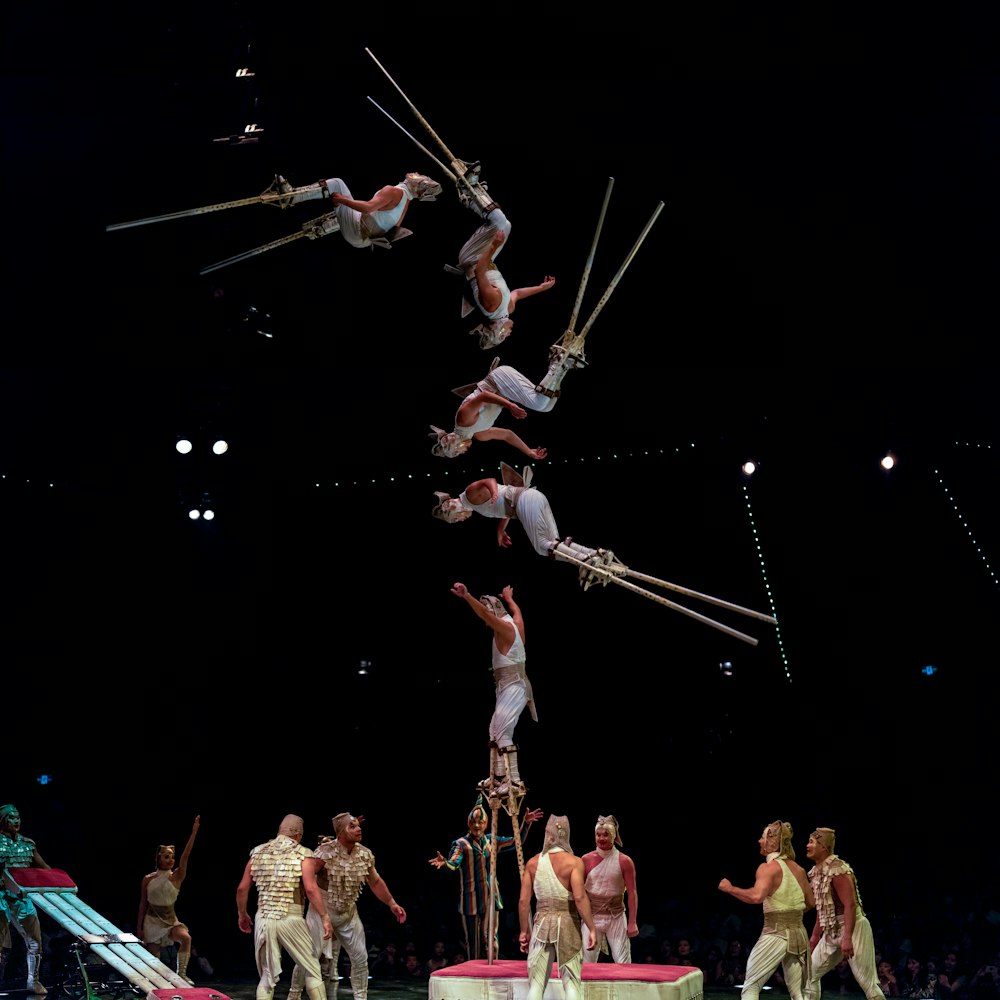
[
  {"x": 491, "y": 902},
  {"x": 701, "y": 597},
  {"x": 590, "y": 258},
  {"x": 614, "y": 281},
  {"x": 253, "y": 253},
  {"x": 611, "y": 577},
  {"x": 458, "y": 166},
  {"x": 416, "y": 142},
  {"x": 280, "y": 198}
]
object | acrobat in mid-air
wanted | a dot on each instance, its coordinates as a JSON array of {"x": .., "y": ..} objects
[
  {"x": 517, "y": 500},
  {"x": 486, "y": 288},
  {"x": 505, "y": 388},
  {"x": 375, "y": 221}
]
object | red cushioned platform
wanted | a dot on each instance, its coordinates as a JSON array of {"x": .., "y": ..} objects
[
  {"x": 40, "y": 878},
  {"x": 604, "y": 971},
  {"x": 190, "y": 993}
]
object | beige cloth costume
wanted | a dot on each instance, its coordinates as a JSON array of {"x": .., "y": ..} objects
[
  {"x": 555, "y": 934},
  {"x": 160, "y": 919},
  {"x": 606, "y": 890},
  {"x": 783, "y": 941}
]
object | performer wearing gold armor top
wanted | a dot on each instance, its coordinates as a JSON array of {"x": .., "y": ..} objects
[
  {"x": 556, "y": 879},
  {"x": 279, "y": 871},
  {"x": 609, "y": 875},
  {"x": 347, "y": 865},
  {"x": 19, "y": 852},
  {"x": 781, "y": 885},
  {"x": 841, "y": 929}
]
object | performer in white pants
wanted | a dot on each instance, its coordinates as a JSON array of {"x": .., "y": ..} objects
[
  {"x": 487, "y": 290},
  {"x": 347, "y": 866},
  {"x": 503, "y": 388},
  {"x": 783, "y": 888},
  {"x": 378, "y": 219},
  {"x": 278, "y": 868},
  {"x": 513, "y": 689},
  {"x": 609, "y": 875},
  {"x": 555, "y": 878},
  {"x": 841, "y": 929}
]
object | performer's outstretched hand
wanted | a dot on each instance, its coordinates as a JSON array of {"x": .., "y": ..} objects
[
  {"x": 517, "y": 411},
  {"x": 437, "y": 861},
  {"x": 533, "y": 815},
  {"x": 460, "y": 590},
  {"x": 538, "y": 453}
]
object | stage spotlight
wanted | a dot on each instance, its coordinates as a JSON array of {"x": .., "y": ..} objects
[
  {"x": 889, "y": 461},
  {"x": 209, "y": 515},
  {"x": 183, "y": 446},
  {"x": 194, "y": 514},
  {"x": 220, "y": 447},
  {"x": 726, "y": 668},
  {"x": 749, "y": 468}
]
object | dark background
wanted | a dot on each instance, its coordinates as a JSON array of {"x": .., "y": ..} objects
[{"x": 818, "y": 289}]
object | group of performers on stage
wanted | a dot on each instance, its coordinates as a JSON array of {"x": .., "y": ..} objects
[{"x": 569, "y": 892}]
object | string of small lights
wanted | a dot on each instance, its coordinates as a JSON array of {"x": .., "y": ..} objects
[
  {"x": 484, "y": 471},
  {"x": 767, "y": 586},
  {"x": 965, "y": 524}
]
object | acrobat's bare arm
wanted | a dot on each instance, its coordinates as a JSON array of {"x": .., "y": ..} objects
[
  {"x": 501, "y": 629},
  {"x": 503, "y": 539},
  {"x": 482, "y": 490},
  {"x": 507, "y": 594},
  {"x": 525, "y": 293},
  {"x": 503, "y": 434},
  {"x": 473, "y": 403}
]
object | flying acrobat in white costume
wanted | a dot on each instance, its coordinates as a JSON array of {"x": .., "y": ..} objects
[
  {"x": 517, "y": 500},
  {"x": 363, "y": 223},
  {"x": 506, "y": 388},
  {"x": 486, "y": 289}
]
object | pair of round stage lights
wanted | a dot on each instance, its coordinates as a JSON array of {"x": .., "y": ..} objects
[{"x": 220, "y": 447}]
